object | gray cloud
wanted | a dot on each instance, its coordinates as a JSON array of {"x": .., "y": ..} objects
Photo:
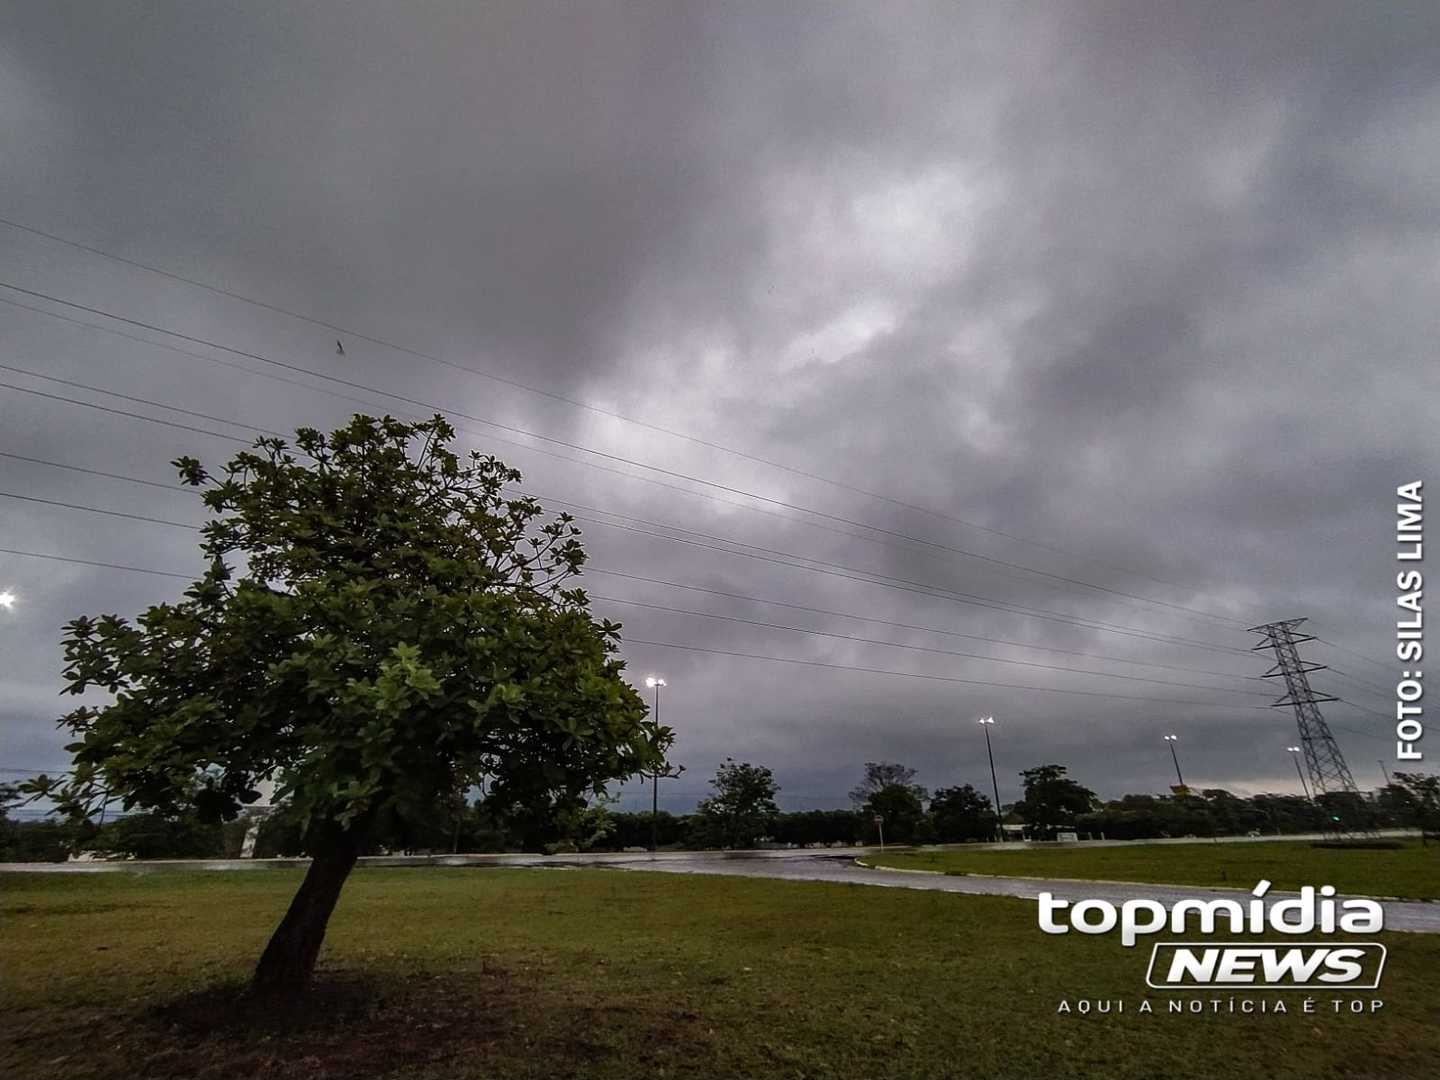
[{"x": 1151, "y": 283}]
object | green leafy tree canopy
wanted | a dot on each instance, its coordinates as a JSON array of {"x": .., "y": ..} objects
[
  {"x": 1052, "y": 800},
  {"x": 742, "y": 810},
  {"x": 962, "y": 813},
  {"x": 380, "y": 624},
  {"x": 889, "y": 792}
]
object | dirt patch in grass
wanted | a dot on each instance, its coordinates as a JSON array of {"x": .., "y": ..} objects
[
  {"x": 344, "y": 1025},
  {"x": 350, "y": 1025}
]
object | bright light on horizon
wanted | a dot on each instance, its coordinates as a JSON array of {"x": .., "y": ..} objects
[{"x": 7, "y": 599}]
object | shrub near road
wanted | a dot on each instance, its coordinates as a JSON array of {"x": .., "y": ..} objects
[
  {"x": 1411, "y": 871},
  {"x": 567, "y": 973}
]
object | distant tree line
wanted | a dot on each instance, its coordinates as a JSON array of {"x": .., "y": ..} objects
[{"x": 742, "y": 813}]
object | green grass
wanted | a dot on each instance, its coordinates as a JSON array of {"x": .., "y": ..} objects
[
  {"x": 1412, "y": 871},
  {"x": 431, "y": 973}
]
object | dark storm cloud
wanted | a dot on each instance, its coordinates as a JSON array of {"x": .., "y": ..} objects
[{"x": 1151, "y": 283}]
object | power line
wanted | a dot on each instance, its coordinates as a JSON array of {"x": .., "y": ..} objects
[
  {"x": 919, "y": 648},
  {"x": 488, "y": 436},
  {"x": 755, "y": 599},
  {"x": 813, "y": 663},
  {"x": 162, "y": 521},
  {"x": 1194, "y": 612},
  {"x": 1371, "y": 687},
  {"x": 122, "y": 412},
  {"x": 160, "y": 405},
  {"x": 173, "y": 488},
  {"x": 913, "y": 626},
  {"x": 221, "y": 361},
  {"x": 197, "y": 283},
  {"x": 92, "y": 562},
  {"x": 1364, "y": 709},
  {"x": 594, "y": 465},
  {"x": 97, "y": 510},
  {"x": 880, "y": 671},
  {"x": 805, "y": 558},
  {"x": 662, "y": 525},
  {"x": 822, "y": 566},
  {"x": 132, "y": 398},
  {"x": 1383, "y": 667},
  {"x": 920, "y": 588},
  {"x": 936, "y": 678}
]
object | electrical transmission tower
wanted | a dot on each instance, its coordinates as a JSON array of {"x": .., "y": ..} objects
[{"x": 1323, "y": 759}]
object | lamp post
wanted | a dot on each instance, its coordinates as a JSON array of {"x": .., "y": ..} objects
[
  {"x": 1295, "y": 751},
  {"x": 986, "y": 723},
  {"x": 1172, "y": 740},
  {"x": 655, "y": 683}
]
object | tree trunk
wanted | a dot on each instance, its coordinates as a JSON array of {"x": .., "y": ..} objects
[{"x": 289, "y": 959}]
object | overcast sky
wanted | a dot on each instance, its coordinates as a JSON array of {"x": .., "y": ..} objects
[{"x": 1140, "y": 296}]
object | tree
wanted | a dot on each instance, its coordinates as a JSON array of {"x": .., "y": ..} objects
[
  {"x": 742, "y": 810},
  {"x": 819, "y": 827},
  {"x": 888, "y": 791},
  {"x": 1052, "y": 800},
  {"x": 160, "y": 836},
  {"x": 900, "y": 809},
  {"x": 1345, "y": 811},
  {"x": 584, "y": 828},
  {"x": 35, "y": 841},
  {"x": 398, "y": 627},
  {"x": 633, "y": 830},
  {"x": 1233, "y": 815},
  {"x": 880, "y": 775},
  {"x": 1417, "y": 797},
  {"x": 962, "y": 813},
  {"x": 1288, "y": 813}
]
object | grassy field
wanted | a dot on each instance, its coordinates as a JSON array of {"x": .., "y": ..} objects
[
  {"x": 1412, "y": 871},
  {"x": 432, "y": 973}
]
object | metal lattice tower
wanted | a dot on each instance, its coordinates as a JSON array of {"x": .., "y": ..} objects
[{"x": 1323, "y": 760}]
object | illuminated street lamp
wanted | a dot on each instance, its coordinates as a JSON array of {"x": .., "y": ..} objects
[
  {"x": 1295, "y": 750},
  {"x": 986, "y": 723},
  {"x": 1172, "y": 740},
  {"x": 7, "y": 599},
  {"x": 655, "y": 682}
]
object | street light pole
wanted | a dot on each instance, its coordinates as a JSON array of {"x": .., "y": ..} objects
[
  {"x": 1172, "y": 740},
  {"x": 655, "y": 683},
  {"x": 986, "y": 723},
  {"x": 1295, "y": 752}
]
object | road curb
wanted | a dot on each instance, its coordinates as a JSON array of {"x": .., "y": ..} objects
[{"x": 902, "y": 870}]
